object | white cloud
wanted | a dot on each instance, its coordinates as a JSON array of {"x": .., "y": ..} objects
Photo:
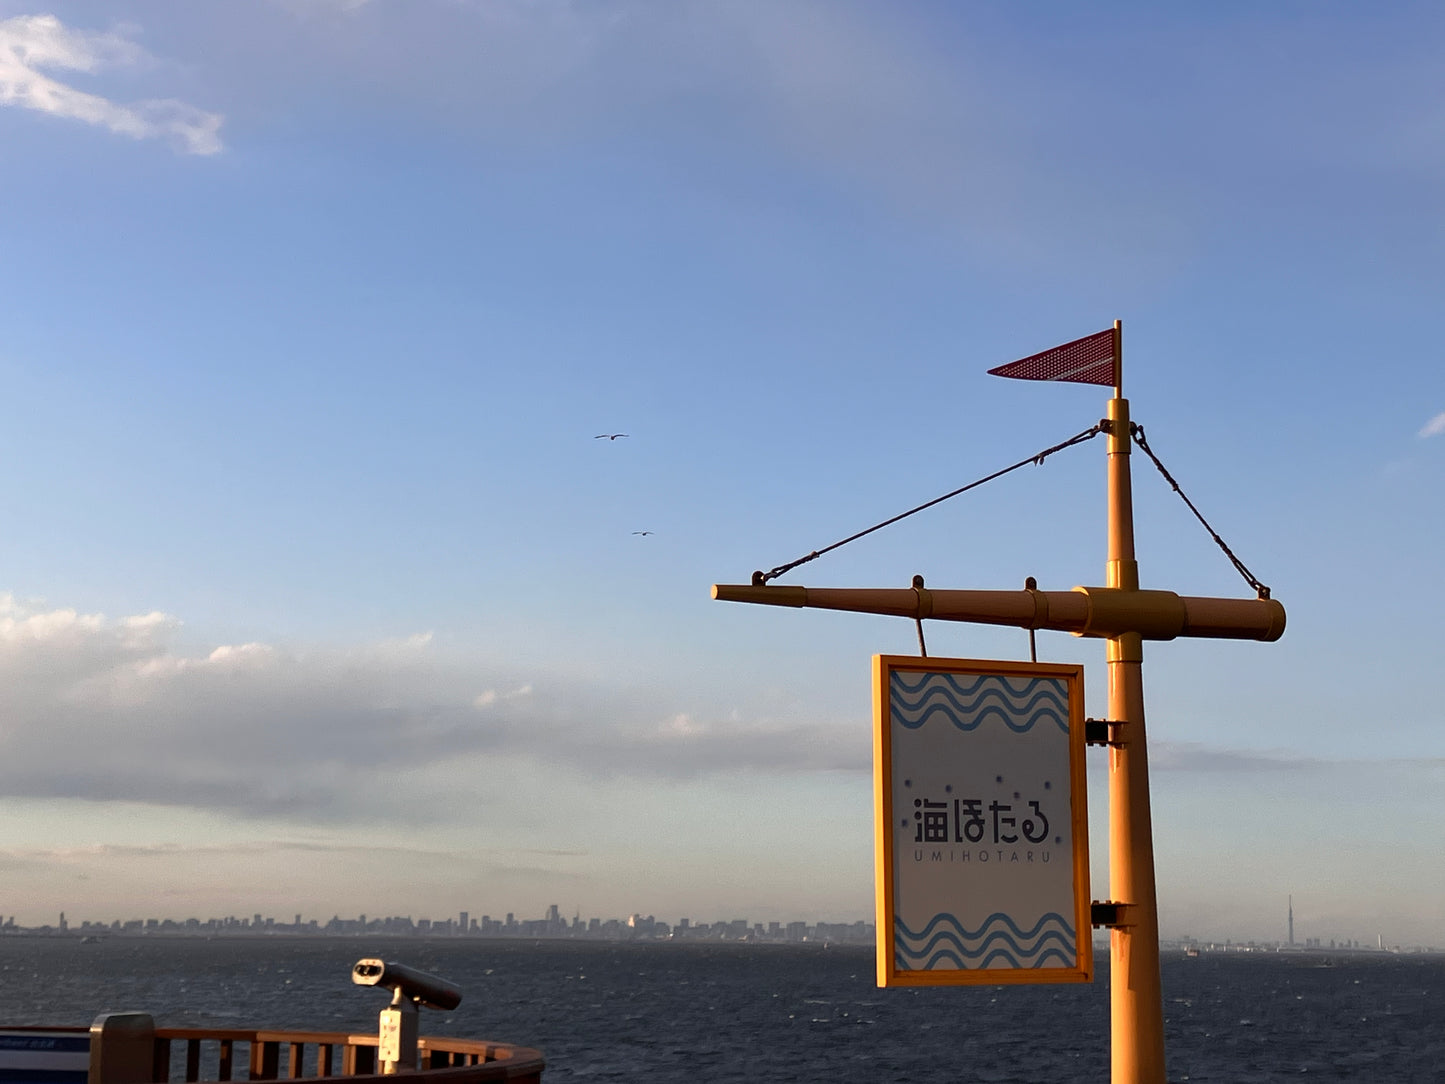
[
  {"x": 32, "y": 44},
  {"x": 1199, "y": 758},
  {"x": 491, "y": 696},
  {"x": 1435, "y": 426},
  {"x": 370, "y": 849},
  {"x": 1179, "y": 756},
  {"x": 307, "y": 7},
  {"x": 106, "y": 709},
  {"x": 113, "y": 710}
]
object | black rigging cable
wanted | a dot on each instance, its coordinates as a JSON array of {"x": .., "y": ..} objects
[
  {"x": 1137, "y": 432},
  {"x": 760, "y": 578}
]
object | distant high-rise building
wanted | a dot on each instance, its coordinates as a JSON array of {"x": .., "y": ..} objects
[
  {"x": 1291, "y": 921},
  {"x": 462, "y": 924}
]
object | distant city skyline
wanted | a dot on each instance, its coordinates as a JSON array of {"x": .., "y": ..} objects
[
  {"x": 633, "y": 926},
  {"x": 553, "y": 924}
]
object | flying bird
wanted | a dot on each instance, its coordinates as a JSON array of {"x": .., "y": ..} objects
[
  {"x": 644, "y": 532},
  {"x": 608, "y": 436}
]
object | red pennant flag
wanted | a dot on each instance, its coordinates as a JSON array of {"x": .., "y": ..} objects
[{"x": 1093, "y": 359}]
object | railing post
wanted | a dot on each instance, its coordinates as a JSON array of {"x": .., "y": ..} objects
[
  {"x": 122, "y": 1048},
  {"x": 296, "y": 1060},
  {"x": 358, "y": 1059},
  {"x": 265, "y": 1059}
]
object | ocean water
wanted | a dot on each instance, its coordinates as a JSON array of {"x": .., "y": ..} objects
[{"x": 701, "y": 1013}]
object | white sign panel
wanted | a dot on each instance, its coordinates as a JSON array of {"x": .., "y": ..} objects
[{"x": 981, "y": 821}]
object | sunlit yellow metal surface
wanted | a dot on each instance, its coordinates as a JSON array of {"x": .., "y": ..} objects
[
  {"x": 1136, "y": 1003},
  {"x": 889, "y": 974},
  {"x": 1084, "y": 611}
]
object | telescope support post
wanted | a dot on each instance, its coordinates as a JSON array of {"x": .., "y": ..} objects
[{"x": 396, "y": 1036}]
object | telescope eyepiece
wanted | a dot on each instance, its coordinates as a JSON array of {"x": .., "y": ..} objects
[{"x": 407, "y": 983}]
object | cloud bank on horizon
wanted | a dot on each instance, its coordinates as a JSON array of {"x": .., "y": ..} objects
[
  {"x": 30, "y": 45},
  {"x": 322, "y": 734},
  {"x": 319, "y": 735}
]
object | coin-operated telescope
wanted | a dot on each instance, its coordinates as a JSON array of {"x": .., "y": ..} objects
[{"x": 410, "y": 989}]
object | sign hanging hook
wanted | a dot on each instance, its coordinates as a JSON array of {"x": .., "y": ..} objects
[{"x": 925, "y": 609}]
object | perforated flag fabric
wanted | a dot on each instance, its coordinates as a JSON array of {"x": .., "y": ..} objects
[{"x": 1090, "y": 360}]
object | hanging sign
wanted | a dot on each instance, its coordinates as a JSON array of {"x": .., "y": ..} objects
[{"x": 982, "y": 823}]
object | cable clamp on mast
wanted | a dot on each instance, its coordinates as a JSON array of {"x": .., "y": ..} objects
[
  {"x": 1110, "y": 913},
  {"x": 1102, "y": 732}
]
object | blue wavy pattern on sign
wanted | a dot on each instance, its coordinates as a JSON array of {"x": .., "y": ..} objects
[
  {"x": 967, "y": 701},
  {"x": 946, "y": 942}
]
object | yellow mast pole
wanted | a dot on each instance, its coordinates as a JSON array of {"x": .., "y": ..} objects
[{"x": 1135, "y": 998}]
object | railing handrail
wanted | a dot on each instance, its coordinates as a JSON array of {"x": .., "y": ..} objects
[
  {"x": 246, "y": 1035},
  {"x": 442, "y": 1059},
  {"x": 447, "y": 1044}
]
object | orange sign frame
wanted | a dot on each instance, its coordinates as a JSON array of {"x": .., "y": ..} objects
[{"x": 982, "y": 864}]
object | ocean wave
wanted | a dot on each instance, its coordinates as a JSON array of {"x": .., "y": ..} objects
[
  {"x": 998, "y": 939},
  {"x": 968, "y": 703}
]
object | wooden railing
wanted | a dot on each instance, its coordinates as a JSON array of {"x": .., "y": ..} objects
[
  {"x": 204, "y": 1054},
  {"x": 125, "y": 1050}
]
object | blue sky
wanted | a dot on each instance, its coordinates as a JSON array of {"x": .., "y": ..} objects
[{"x": 314, "y": 310}]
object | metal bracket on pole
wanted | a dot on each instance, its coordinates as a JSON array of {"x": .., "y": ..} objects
[
  {"x": 1101, "y": 731},
  {"x": 1110, "y": 913}
]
